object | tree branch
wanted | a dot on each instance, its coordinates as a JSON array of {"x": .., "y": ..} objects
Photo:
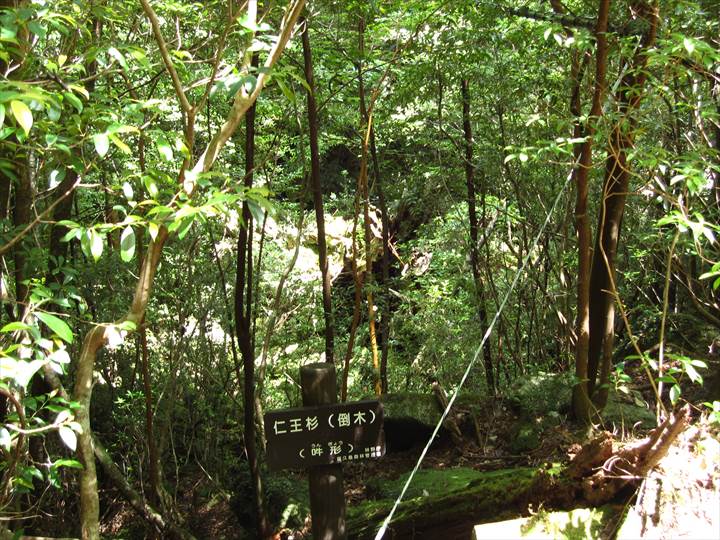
[
  {"x": 177, "y": 83},
  {"x": 244, "y": 101},
  {"x": 37, "y": 219}
]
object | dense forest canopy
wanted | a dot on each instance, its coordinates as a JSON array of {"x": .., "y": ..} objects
[{"x": 197, "y": 198}]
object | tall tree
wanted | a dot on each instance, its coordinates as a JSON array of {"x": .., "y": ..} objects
[
  {"x": 602, "y": 291},
  {"x": 474, "y": 226},
  {"x": 316, "y": 186},
  {"x": 581, "y": 391}
]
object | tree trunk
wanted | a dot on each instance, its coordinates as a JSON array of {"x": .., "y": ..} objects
[
  {"x": 614, "y": 194},
  {"x": 384, "y": 304},
  {"x": 357, "y": 303},
  {"x": 317, "y": 196},
  {"x": 582, "y": 407},
  {"x": 21, "y": 217},
  {"x": 99, "y": 335},
  {"x": 474, "y": 248},
  {"x": 243, "y": 318},
  {"x": 363, "y": 188}
]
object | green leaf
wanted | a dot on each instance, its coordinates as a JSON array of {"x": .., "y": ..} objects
[
  {"x": 57, "y": 325},
  {"x": 96, "y": 244},
  {"x": 128, "y": 326},
  {"x": 68, "y": 437},
  {"x": 14, "y": 326},
  {"x": 674, "y": 394},
  {"x": 92, "y": 244},
  {"x": 71, "y": 463},
  {"x": 2, "y": 114},
  {"x": 255, "y": 211},
  {"x": 54, "y": 113},
  {"x": 153, "y": 229},
  {"x": 117, "y": 55},
  {"x": 22, "y": 114},
  {"x": 60, "y": 356},
  {"x": 128, "y": 191},
  {"x": 151, "y": 186},
  {"x": 689, "y": 45},
  {"x": 127, "y": 244},
  {"x": 285, "y": 90},
  {"x": 74, "y": 101},
  {"x": 24, "y": 371},
  {"x": 102, "y": 143},
  {"x": 164, "y": 148},
  {"x": 124, "y": 148}
]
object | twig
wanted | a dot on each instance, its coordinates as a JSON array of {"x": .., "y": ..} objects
[{"x": 37, "y": 219}]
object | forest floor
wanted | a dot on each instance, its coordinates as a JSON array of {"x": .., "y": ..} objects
[
  {"x": 684, "y": 466},
  {"x": 691, "y": 470}
]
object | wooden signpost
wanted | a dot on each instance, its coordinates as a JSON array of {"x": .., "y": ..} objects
[{"x": 319, "y": 437}]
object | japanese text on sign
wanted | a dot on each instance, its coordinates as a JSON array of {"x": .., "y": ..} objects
[{"x": 307, "y": 436}]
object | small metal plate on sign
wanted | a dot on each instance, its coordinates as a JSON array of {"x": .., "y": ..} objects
[{"x": 323, "y": 435}]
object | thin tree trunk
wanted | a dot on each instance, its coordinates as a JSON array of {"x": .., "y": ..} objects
[
  {"x": 582, "y": 406},
  {"x": 357, "y": 304},
  {"x": 615, "y": 187},
  {"x": 474, "y": 248},
  {"x": 154, "y": 466},
  {"x": 243, "y": 318},
  {"x": 384, "y": 304},
  {"x": 21, "y": 216},
  {"x": 366, "y": 122},
  {"x": 317, "y": 196}
]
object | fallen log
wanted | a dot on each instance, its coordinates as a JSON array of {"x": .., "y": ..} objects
[{"x": 595, "y": 476}]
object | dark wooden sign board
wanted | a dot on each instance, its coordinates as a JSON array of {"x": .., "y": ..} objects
[{"x": 324, "y": 434}]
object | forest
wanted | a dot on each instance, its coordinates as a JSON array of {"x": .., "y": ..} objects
[{"x": 500, "y": 220}]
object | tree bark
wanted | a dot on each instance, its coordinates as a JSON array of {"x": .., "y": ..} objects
[
  {"x": 614, "y": 194},
  {"x": 582, "y": 406},
  {"x": 317, "y": 196},
  {"x": 490, "y": 379},
  {"x": 243, "y": 318},
  {"x": 384, "y": 304}
]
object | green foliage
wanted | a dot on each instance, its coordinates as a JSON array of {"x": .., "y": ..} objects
[
  {"x": 85, "y": 97},
  {"x": 542, "y": 393},
  {"x": 287, "y": 499},
  {"x": 714, "y": 411}
]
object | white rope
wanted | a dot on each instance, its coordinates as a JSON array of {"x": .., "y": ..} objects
[{"x": 489, "y": 330}]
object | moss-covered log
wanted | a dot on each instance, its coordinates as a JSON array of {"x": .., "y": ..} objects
[{"x": 450, "y": 508}]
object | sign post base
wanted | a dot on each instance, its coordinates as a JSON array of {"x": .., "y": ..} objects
[{"x": 327, "y": 494}]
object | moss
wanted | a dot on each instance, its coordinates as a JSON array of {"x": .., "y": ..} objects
[
  {"x": 427, "y": 482},
  {"x": 420, "y": 407},
  {"x": 542, "y": 393},
  {"x": 620, "y": 413},
  {"x": 578, "y": 524},
  {"x": 445, "y": 497},
  {"x": 527, "y": 437}
]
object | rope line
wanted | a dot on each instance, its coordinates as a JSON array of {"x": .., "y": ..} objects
[{"x": 383, "y": 529}]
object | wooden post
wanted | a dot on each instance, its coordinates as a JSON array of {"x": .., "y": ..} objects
[{"x": 327, "y": 495}]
